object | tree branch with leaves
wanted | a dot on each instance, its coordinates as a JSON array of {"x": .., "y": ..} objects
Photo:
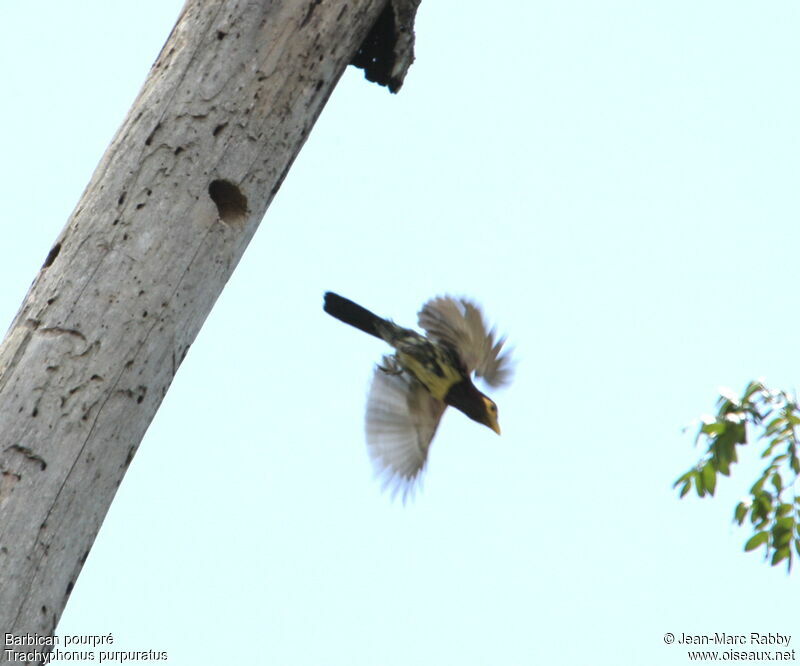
[{"x": 773, "y": 506}]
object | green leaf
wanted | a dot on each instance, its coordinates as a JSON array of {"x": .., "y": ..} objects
[
  {"x": 752, "y": 387},
  {"x": 698, "y": 484},
  {"x": 780, "y": 555},
  {"x": 713, "y": 429},
  {"x": 682, "y": 478},
  {"x": 709, "y": 478},
  {"x": 777, "y": 481},
  {"x": 687, "y": 486},
  {"x": 740, "y": 513},
  {"x": 724, "y": 452},
  {"x": 762, "y": 507},
  {"x": 774, "y": 426},
  {"x": 783, "y": 509},
  {"x": 782, "y": 532},
  {"x": 756, "y": 540},
  {"x": 764, "y": 500}
]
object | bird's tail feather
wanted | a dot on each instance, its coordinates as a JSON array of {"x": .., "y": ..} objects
[{"x": 352, "y": 313}]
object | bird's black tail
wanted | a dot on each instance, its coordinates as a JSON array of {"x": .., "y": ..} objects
[{"x": 352, "y": 313}]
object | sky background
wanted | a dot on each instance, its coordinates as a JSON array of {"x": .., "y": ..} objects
[{"x": 616, "y": 183}]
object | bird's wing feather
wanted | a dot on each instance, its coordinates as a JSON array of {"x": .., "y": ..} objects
[
  {"x": 460, "y": 324},
  {"x": 402, "y": 418}
]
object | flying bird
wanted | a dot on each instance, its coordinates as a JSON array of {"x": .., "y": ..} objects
[{"x": 411, "y": 388}]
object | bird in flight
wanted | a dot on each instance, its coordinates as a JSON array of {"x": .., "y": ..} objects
[{"x": 412, "y": 387}]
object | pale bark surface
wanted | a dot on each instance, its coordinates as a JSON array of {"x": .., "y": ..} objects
[{"x": 133, "y": 275}]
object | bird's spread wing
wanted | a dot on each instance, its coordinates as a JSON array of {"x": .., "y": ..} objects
[
  {"x": 459, "y": 323},
  {"x": 402, "y": 418}
]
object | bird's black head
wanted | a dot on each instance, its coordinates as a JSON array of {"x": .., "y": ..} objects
[{"x": 479, "y": 407}]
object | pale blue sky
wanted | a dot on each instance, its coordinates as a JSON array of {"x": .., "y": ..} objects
[{"x": 616, "y": 182}]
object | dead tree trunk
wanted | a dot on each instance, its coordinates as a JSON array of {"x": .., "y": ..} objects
[{"x": 155, "y": 237}]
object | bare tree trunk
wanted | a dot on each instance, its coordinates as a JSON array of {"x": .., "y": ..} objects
[{"x": 124, "y": 290}]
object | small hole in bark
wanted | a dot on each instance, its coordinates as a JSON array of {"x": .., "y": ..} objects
[
  {"x": 121, "y": 199},
  {"x": 149, "y": 139},
  {"x": 221, "y": 34},
  {"x": 231, "y": 203},
  {"x": 51, "y": 256},
  {"x": 219, "y": 128}
]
